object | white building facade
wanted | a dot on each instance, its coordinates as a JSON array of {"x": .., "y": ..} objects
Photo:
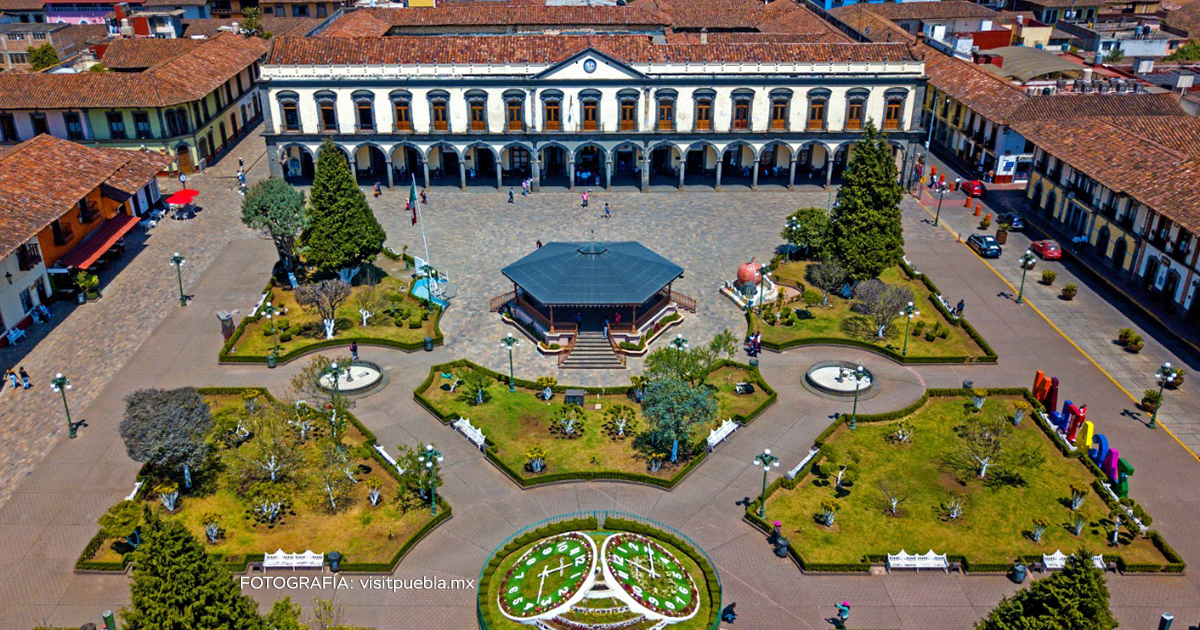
[{"x": 664, "y": 114}]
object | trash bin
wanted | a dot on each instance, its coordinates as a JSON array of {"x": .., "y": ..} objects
[
  {"x": 335, "y": 561},
  {"x": 227, "y": 326},
  {"x": 271, "y": 360},
  {"x": 968, "y": 384},
  {"x": 753, "y": 362},
  {"x": 81, "y": 297},
  {"x": 781, "y": 547},
  {"x": 1018, "y": 573},
  {"x": 428, "y": 344}
]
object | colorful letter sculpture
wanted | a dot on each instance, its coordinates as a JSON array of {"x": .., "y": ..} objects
[{"x": 1073, "y": 424}]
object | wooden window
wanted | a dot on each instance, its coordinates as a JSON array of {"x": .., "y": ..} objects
[
  {"x": 553, "y": 118},
  {"x": 75, "y": 125},
  {"x": 704, "y": 114},
  {"x": 440, "y": 122},
  {"x": 516, "y": 116},
  {"x": 478, "y": 116},
  {"x": 628, "y": 115},
  {"x": 403, "y": 116},
  {"x": 666, "y": 115},
  {"x": 779, "y": 114},
  {"x": 854, "y": 115},
  {"x": 291, "y": 116},
  {"x": 366, "y": 117},
  {"x": 328, "y": 115},
  {"x": 141, "y": 125},
  {"x": 892, "y": 113},
  {"x": 590, "y": 111},
  {"x": 816, "y": 113},
  {"x": 741, "y": 114},
  {"x": 116, "y": 125}
]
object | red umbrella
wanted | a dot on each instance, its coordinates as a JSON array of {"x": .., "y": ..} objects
[
  {"x": 179, "y": 198},
  {"x": 189, "y": 192}
]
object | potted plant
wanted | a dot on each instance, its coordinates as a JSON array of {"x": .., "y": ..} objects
[
  {"x": 1123, "y": 336},
  {"x": 1069, "y": 291},
  {"x": 1002, "y": 232},
  {"x": 1151, "y": 399},
  {"x": 1049, "y": 276},
  {"x": 89, "y": 285},
  {"x": 1178, "y": 380},
  {"x": 985, "y": 222},
  {"x": 1135, "y": 344}
]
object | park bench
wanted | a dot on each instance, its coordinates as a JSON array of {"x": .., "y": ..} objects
[
  {"x": 387, "y": 456},
  {"x": 137, "y": 485},
  {"x": 905, "y": 560},
  {"x": 718, "y": 435},
  {"x": 812, "y": 452},
  {"x": 743, "y": 388},
  {"x": 293, "y": 561},
  {"x": 1055, "y": 561},
  {"x": 14, "y": 334},
  {"x": 472, "y": 433}
]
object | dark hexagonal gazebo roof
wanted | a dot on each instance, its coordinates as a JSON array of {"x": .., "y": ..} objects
[{"x": 592, "y": 274}]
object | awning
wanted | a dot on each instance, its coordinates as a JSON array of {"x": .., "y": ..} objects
[{"x": 98, "y": 242}]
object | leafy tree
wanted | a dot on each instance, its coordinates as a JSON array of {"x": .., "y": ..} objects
[
  {"x": 828, "y": 276},
  {"x": 252, "y": 20},
  {"x": 674, "y": 409},
  {"x": 1190, "y": 51},
  {"x": 1114, "y": 56},
  {"x": 829, "y": 510},
  {"x": 277, "y": 210},
  {"x": 692, "y": 364},
  {"x": 97, "y": 67},
  {"x": 285, "y": 614},
  {"x": 881, "y": 302},
  {"x": 535, "y": 458},
  {"x": 1075, "y": 598},
  {"x": 166, "y": 428},
  {"x": 342, "y": 231},
  {"x": 808, "y": 230},
  {"x": 120, "y": 519},
  {"x": 864, "y": 228},
  {"x": 374, "y": 490},
  {"x": 42, "y": 57},
  {"x": 325, "y": 297},
  {"x": 547, "y": 384},
  {"x": 474, "y": 388},
  {"x": 176, "y": 586}
]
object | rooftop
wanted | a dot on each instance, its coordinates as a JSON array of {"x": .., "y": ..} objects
[
  {"x": 211, "y": 27},
  {"x": 30, "y": 27},
  {"x": 140, "y": 53},
  {"x": 66, "y": 172},
  {"x": 592, "y": 274},
  {"x": 944, "y": 10},
  {"x": 1026, "y": 64}
]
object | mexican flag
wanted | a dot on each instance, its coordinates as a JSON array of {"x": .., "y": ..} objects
[{"x": 412, "y": 199}]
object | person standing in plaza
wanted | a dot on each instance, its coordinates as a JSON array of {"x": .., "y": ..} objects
[
  {"x": 424, "y": 199},
  {"x": 510, "y": 195},
  {"x": 958, "y": 310},
  {"x": 24, "y": 378},
  {"x": 843, "y": 613},
  {"x": 539, "y": 243},
  {"x": 12, "y": 377},
  {"x": 607, "y": 212},
  {"x": 354, "y": 350}
]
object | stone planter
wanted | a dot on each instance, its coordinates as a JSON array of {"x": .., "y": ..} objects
[{"x": 1001, "y": 237}]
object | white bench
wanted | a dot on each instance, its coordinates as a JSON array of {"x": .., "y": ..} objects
[
  {"x": 15, "y": 334},
  {"x": 718, "y": 435},
  {"x": 472, "y": 433},
  {"x": 283, "y": 560},
  {"x": 930, "y": 560},
  {"x": 1098, "y": 562},
  {"x": 812, "y": 452},
  {"x": 391, "y": 460},
  {"x": 136, "y": 486},
  {"x": 1054, "y": 562}
]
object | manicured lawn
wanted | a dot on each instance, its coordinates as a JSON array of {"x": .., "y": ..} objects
[
  {"x": 360, "y": 531},
  {"x": 520, "y": 420},
  {"x": 830, "y": 321},
  {"x": 300, "y": 327},
  {"x": 997, "y": 519}
]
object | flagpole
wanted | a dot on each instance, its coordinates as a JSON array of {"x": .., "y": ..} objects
[{"x": 421, "y": 220}]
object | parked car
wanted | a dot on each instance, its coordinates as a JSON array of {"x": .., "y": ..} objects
[
  {"x": 985, "y": 245},
  {"x": 1047, "y": 249},
  {"x": 974, "y": 188},
  {"x": 1015, "y": 222}
]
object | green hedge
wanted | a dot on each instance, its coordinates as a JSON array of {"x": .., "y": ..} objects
[
  {"x": 583, "y": 475},
  {"x": 443, "y": 515},
  {"x": 757, "y": 379}
]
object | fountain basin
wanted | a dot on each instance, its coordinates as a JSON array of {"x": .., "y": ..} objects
[
  {"x": 835, "y": 379},
  {"x": 362, "y": 378}
]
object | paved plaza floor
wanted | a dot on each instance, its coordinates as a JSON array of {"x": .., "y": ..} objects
[{"x": 137, "y": 336}]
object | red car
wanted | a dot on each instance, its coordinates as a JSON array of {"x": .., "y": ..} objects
[
  {"x": 1048, "y": 250},
  {"x": 974, "y": 188}
]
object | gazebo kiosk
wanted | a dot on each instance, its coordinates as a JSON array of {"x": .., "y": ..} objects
[{"x": 565, "y": 288}]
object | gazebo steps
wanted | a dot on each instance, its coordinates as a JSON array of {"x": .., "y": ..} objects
[{"x": 592, "y": 352}]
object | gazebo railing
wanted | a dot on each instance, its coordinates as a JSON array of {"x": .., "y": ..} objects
[
  {"x": 562, "y": 356},
  {"x": 616, "y": 349},
  {"x": 502, "y": 299},
  {"x": 684, "y": 301}
]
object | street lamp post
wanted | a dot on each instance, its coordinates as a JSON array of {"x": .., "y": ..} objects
[
  {"x": 335, "y": 375},
  {"x": 941, "y": 194},
  {"x": 766, "y": 460},
  {"x": 1166, "y": 375},
  {"x": 430, "y": 458},
  {"x": 61, "y": 384},
  {"x": 511, "y": 342},
  {"x": 177, "y": 262},
  {"x": 1027, "y": 261},
  {"x": 270, "y": 312},
  {"x": 859, "y": 374},
  {"x": 908, "y": 312},
  {"x": 763, "y": 272}
]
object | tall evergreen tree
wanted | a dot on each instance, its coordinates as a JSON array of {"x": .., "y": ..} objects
[
  {"x": 176, "y": 586},
  {"x": 1075, "y": 598},
  {"x": 864, "y": 229},
  {"x": 342, "y": 231},
  {"x": 674, "y": 410}
]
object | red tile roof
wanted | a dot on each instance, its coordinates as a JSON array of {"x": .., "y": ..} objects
[
  {"x": 43, "y": 178},
  {"x": 504, "y": 13},
  {"x": 139, "y": 53},
  {"x": 1072, "y": 105},
  {"x": 943, "y": 10},
  {"x": 990, "y": 96},
  {"x": 20, "y": 5},
  {"x": 554, "y": 48},
  {"x": 275, "y": 25},
  {"x": 180, "y": 79}
]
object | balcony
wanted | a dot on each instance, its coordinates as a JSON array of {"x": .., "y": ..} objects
[
  {"x": 1108, "y": 211},
  {"x": 666, "y": 126},
  {"x": 628, "y": 125},
  {"x": 28, "y": 257},
  {"x": 63, "y": 236},
  {"x": 1081, "y": 193},
  {"x": 1125, "y": 221},
  {"x": 778, "y": 124},
  {"x": 88, "y": 213}
]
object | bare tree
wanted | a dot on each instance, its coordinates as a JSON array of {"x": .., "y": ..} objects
[
  {"x": 271, "y": 455},
  {"x": 984, "y": 441},
  {"x": 306, "y": 387},
  {"x": 368, "y": 301},
  {"x": 891, "y": 496},
  {"x": 881, "y": 302},
  {"x": 326, "y": 297},
  {"x": 827, "y": 276}
]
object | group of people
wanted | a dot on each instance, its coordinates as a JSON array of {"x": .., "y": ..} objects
[
  {"x": 729, "y": 613},
  {"x": 19, "y": 376},
  {"x": 754, "y": 344}
]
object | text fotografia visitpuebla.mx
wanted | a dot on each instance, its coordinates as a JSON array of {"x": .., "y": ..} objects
[{"x": 336, "y": 582}]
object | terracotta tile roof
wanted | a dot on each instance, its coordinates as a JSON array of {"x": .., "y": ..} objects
[
  {"x": 554, "y": 48},
  {"x": 65, "y": 173},
  {"x": 987, "y": 94},
  {"x": 871, "y": 26},
  {"x": 1186, "y": 18},
  {"x": 20, "y": 5},
  {"x": 360, "y": 23},
  {"x": 211, "y": 27},
  {"x": 140, "y": 53},
  {"x": 757, "y": 38},
  {"x": 1066, "y": 106},
  {"x": 944, "y": 10},
  {"x": 495, "y": 13},
  {"x": 79, "y": 36},
  {"x": 1067, "y": 3},
  {"x": 181, "y": 79}
]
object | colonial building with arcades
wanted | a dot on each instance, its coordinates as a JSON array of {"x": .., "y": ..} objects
[{"x": 590, "y": 97}]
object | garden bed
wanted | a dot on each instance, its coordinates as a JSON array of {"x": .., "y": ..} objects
[
  {"x": 370, "y": 538},
  {"x": 999, "y": 511},
  {"x": 513, "y": 423},
  {"x": 933, "y": 337}
]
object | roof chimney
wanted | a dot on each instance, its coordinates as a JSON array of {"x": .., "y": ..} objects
[
  {"x": 1087, "y": 74},
  {"x": 704, "y": 35}
]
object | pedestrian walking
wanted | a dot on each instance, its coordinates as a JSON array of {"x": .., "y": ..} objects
[
  {"x": 524, "y": 187},
  {"x": 617, "y": 317},
  {"x": 12, "y": 377},
  {"x": 354, "y": 350},
  {"x": 241, "y": 163},
  {"x": 578, "y": 319},
  {"x": 729, "y": 614},
  {"x": 842, "y": 614},
  {"x": 539, "y": 243},
  {"x": 242, "y": 181},
  {"x": 510, "y": 195},
  {"x": 607, "y": 213},
  {"x": 583, "y": 200},
  {"x": 24, "y": 379},
  {"x": 958, "y": 310},
  {"x": 377, "y": 191},
  {"x": 424, "y": 199},
  {"x": 606, "y": 329}
]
